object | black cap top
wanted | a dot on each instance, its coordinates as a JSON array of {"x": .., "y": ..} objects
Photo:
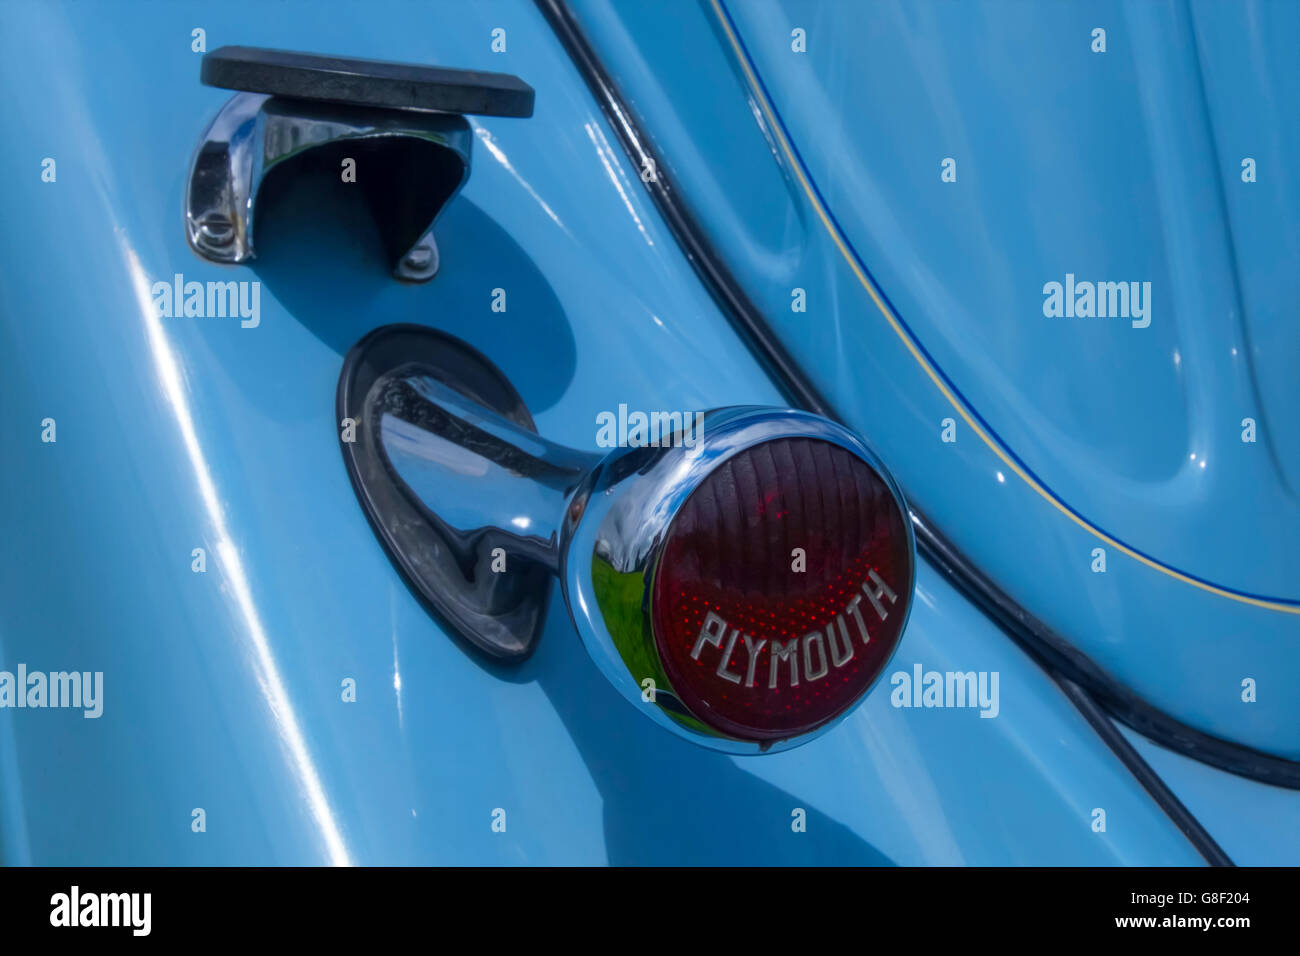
[{"x": 366, "y": 82}]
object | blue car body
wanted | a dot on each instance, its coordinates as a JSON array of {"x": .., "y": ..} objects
[{"x": 223, "y": 689}]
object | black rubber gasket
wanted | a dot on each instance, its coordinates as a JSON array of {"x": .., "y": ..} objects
[{"x": 436, "y": 561}]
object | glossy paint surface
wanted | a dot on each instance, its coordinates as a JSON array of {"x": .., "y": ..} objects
[
  {"x": 223, "y": 690},
  {"x": 819, "y": 177}
]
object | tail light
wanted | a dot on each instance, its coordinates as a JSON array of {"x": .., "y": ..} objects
[
  {"x": 776, "y": 599},
  {"x": 743, "y": 582},
  {"x": 748, "y": 592}
]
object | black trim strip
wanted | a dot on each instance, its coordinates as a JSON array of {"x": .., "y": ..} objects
[
  {"x": 726, "y": 291},
  {"x": 1196, "y": 834},
  {"x": 1053, "y": 652},
  {"x": 1062, "y": 659}
]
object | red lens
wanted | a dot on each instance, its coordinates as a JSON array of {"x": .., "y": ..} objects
[{"x": 757, "y": 642}]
